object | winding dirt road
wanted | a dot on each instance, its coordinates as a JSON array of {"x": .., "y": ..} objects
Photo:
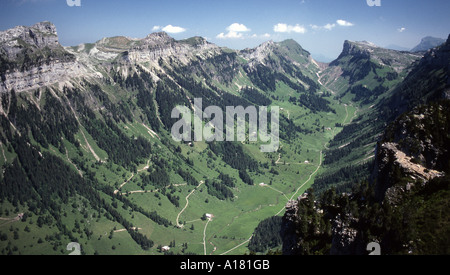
[
  {"x": 11, "y": 220},
  {"x": 187, "y": 204}
]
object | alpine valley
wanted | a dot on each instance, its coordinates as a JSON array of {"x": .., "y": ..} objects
[{"x": 87, "y": 154}]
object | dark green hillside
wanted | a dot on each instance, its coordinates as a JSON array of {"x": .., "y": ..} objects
[
  {"x": 412, "y": 218},
  {"x": 403, "y": 207},
  {"x": 428, "y": 81}
]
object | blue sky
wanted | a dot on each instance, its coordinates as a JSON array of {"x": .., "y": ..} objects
[{"x": 320, "y": 26}]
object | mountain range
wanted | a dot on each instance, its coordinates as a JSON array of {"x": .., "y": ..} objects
[
  {"x": 88, "y": 157},
  {"x": 425, "y": 44}
]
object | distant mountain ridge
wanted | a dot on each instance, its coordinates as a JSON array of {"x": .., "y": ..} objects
[{"x": 428, "y": 43}]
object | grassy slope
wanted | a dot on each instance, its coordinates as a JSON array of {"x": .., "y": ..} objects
[{"x": 234, "y": 221}]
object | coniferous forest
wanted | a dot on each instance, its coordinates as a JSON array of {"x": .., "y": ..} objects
[{"x": 87, "y": 154}]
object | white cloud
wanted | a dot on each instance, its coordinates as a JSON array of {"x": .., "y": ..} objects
[
  {"x": 262, "y": 36},
  {"x": 344, "y": 23},
  {"x": 401, "y": 29},
  {"x": 327, "y": 27},
  {"x": 173, "y": 29},
  {"x": 235, "y": 31},
  {"x": 285, "y": 28},
  {"x": 236, "y": 27},
  {"x": 156, "y": 28},
  {"x": 230, "y": 35},
  {"x": 331, "y": 26}
]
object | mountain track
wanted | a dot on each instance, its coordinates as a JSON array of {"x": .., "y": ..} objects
[{"x": 187, "y": 204}]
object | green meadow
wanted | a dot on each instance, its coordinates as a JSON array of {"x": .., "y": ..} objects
[{"x": 281, "y": 176}]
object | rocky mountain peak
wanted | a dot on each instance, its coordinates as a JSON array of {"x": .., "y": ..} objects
[
  {"x": 259, "y": 53},
  {"x": 45, "y": 27},
  {"x": 158, "y": 38},
  {"x": 357, "y": 48},
  {"x": 368, "y": 51},
  {"x": 39, "y": 35},
  {"x": 438, "y": 56}
]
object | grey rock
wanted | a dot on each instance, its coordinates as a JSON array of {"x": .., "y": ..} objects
[{"x": 34, "y": 58}]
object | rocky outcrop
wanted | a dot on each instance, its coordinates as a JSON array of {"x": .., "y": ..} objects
[
  {"x": 288, "y": 232},
  {"x": 361, "y": 49},
  {"x": 39, "y": 36},
  {"x": 41, "y": 76},
  {"x": 412, "y": 150},
  {"x": 412, "y": 162},
  {"x": 345, "y": 238},
  {"x": 258, "y": 54},
  {"x": 31, "y": 57},
  {"x": 391, "y": 160},
  {"x": 300, "y": 229}
]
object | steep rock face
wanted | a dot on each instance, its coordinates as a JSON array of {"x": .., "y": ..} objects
[
  {"x": 41, "y": 76},
  {"x": 361, "y": 49},
  {"x": 414, "y": 149},
  {"x": 153, "y": 47},
  {"x": 288, "y": 232},
  {"x": 345, "y": 238},
  {"x": 31, "y": 57},
  {"x": 308, "y": 229}
]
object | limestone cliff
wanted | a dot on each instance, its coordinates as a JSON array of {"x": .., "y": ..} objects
[
  {"x": 31, "y": 57},
  {"x": 414, "y": 149}
]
